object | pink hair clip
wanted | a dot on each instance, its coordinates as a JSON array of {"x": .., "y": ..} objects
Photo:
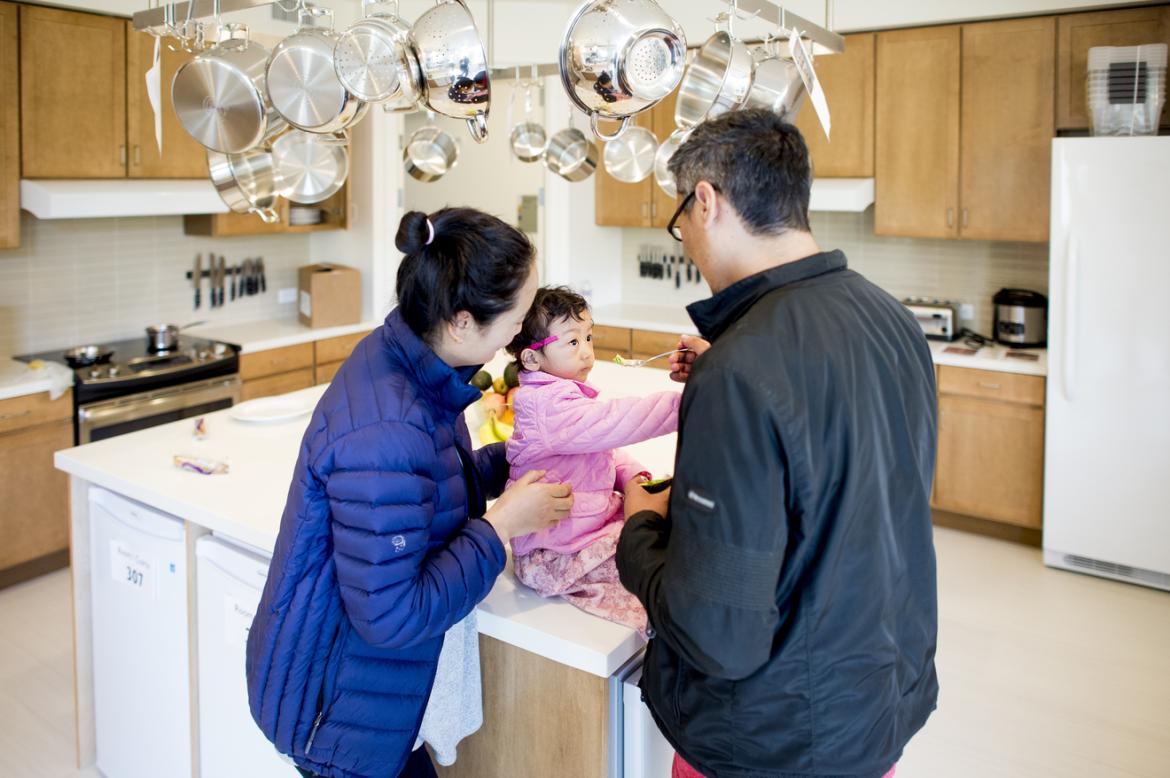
[
  {"x": 538, "y": 345},
  {"x": 430, "y": 232}
]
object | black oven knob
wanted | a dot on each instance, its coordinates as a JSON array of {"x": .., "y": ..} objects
[{"x": 95, "y": 372}]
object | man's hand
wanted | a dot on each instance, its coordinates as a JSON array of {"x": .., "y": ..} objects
[
  {"x": 681, "y": 362},
  {"x": 638, "y": 499}
]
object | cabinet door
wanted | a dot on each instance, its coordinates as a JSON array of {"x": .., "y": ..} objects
[
  {"x": 9, "y": 127},
  {"x": 277, "y": 384},
  {"x": 990, "y": 460},
  {"x": 847, "y": 79},
  {"x": 1077, "y": 33},
  {"x": 618, "y": 204},
  {"x": 916, "y": 160},
  {"x": 226, "y": 225},
  {"x": 72, "y": 94},
  {"x": 35, "y": 520},
  {"x": 1008, "y": 98},
  {"x": 181, "y": 157},
  {"x": 276, "y": 360},
  {"x": 662, "y": 205}
]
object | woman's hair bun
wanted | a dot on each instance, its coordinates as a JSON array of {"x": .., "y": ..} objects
[{"x": 412, "y": 232}]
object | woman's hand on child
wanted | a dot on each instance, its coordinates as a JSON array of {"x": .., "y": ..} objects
[
  {"x": 638, "y": 499},
  {"x": 528, "y": 506},
  {"x": 680, "y": 362}
]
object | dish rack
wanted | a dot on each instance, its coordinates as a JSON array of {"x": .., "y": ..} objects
[{"x": 1126, "y": 88}]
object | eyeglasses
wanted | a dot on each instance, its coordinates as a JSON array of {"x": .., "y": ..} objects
[{"x": 673, "y": 228}]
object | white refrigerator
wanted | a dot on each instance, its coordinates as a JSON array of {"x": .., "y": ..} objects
[{"x": 1107, "y": 438}]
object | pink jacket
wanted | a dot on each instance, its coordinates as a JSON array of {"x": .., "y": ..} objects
[{"x": 563, "y": 428}]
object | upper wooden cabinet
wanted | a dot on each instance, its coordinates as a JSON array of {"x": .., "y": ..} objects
[
  {"x": 1077, "y": 33},
  {"x": 848, "y": 81},
  {"x": 1008, "y": 96},
  {"x": 9, "y": 126},
  {"x": 72, "y": 94},
  {"x": 642, "y": 204},
  {"x": 916, "y": 163},
  {"x": 964, "y": 130},
  {"x": 181, "y": 156}
]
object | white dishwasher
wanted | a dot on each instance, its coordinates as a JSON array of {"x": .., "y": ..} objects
[
  {"x": 637, "y": 748},
  {"x": 229, "y": 582},
  {"x": 140, "y": 647}
]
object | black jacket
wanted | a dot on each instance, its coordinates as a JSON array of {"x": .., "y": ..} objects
[{"x": 791, "y": 591}]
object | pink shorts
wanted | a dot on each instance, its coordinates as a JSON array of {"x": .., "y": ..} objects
[{"x": 681, "y": 769}]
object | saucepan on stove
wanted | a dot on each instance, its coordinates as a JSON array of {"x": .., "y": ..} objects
[
  {"x": 84, "y": 356},
  {"x": 164, "y": 337}
]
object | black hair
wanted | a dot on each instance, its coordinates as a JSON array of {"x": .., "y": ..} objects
[
  {"x": 552, "y": 303},
  {"x": 758, "y": 161},
  {"x": 472, "y": 262}
]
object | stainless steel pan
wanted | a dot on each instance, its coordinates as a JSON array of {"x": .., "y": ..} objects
[
  {"x": 662, "y": 175},
  {"x": 571, "y": 154},
  {"x": 630, "y": 158},
  {"x": 528, "y": 138},
  {"x": 430, "y": 153},
  {"x": 717, "y": 81},
  {"x": 246, "y": 182},
  {"x": 376, "y": 60},
  {"x": 309, "y": 167},
  {"x": 164, "y": 337},
  {"x": 776, "y": 87}
]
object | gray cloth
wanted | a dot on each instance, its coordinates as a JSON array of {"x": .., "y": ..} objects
[{"x": 455, "y": 707}]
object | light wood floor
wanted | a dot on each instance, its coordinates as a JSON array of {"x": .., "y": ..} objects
[{"x": 1043, "y": 673}]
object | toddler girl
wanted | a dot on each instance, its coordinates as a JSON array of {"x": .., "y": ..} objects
[{"x": 563, "y": 428}]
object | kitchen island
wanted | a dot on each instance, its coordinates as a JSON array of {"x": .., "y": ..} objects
[{"x": 546, "y": 644}]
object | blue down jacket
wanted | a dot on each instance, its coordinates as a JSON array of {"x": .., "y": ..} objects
[{"x": 375, "y": 560}]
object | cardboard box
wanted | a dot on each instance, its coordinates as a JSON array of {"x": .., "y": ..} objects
[{"x": 329, "y": 295}]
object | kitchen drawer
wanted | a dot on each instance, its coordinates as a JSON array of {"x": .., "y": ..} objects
[
  {"x": 991, "y": 385},
  {"x": 277, "y": 360},
  {"x": 324, "y": 373},
  {"x": 277, "y": 384},
  {"x": 647, "y": 343},
  {"x": 30, "y": 409},
  {"x": 617, "y": 338},
  {"x": 602, "y": 354},
  {"x": 35, "y": 520},
  {"x": 337, "y": 349}
]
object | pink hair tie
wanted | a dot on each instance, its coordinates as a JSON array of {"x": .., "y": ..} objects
[
  {"x": 538, "y": 345},
  {"x": 430, "y": 232}
]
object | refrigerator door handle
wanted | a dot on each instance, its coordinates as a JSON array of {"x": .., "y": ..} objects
[{"x": 1071, "y": 270}]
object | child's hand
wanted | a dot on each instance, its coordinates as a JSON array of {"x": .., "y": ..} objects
[
  {"x": 638, "y": 499},
  {"x": 680, "y": 362}
]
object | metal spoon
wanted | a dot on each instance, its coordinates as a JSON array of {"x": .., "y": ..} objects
[{"x": 620, "y": 360}]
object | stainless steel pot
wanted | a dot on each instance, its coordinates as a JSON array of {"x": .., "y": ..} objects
[
  {"x": 717, "y": 81},
  {"x": 246, "y": 182},
  {"x": 662, "y": 175},
  {"x": 165, "y": 337},
  {"x": 309, "y": 167},
  {"x": 430, "y": 153},
  {"x": 302, "y": 83},
  {"x": 571, "y": 155},
  {"x": 619, "y": 58},
  {"x": 527, "y": 139},
  {"x": 220, "y": 96},
  {"x": 630, "y": 158},
  {"x": 776, "y": 87},
  {"x": 376, "y": 60},
  {"x": 454, "y": 65}
]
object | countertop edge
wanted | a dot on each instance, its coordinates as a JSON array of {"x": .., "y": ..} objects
[{"x": 308, "y": 335}]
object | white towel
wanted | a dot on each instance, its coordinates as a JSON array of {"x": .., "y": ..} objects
[{"x": 455, "y": 708}]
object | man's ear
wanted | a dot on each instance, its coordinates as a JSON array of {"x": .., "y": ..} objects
[
  {"x": 707, "y": 200},
  {"x": 528, "y": 360}
]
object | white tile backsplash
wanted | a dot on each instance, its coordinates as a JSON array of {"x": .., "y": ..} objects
[
  {"x": 89, "y": 280},
  {"x": 963, "y": 270}
]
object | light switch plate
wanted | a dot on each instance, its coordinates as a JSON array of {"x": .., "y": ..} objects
[
  {"x": 286, "y": 296},
  {"x": 966, "y": 311}
]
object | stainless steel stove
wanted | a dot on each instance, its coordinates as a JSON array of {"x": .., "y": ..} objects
[{"x": 131, "y": 387}]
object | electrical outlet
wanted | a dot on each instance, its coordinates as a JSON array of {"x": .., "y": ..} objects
[
  {"x": 966, "y": 311},
  {"x": 286, "y": 296}
]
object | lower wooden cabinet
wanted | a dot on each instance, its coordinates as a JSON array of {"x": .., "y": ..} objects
[
  {"x": 323, "y": 374},
  {"x": 281, "y": 383},
  {"x": 281, "y": 370}
]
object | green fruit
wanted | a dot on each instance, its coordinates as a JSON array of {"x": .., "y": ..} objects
[
  {"x": 482, "y": 380},
  {"x": 512, "y": 375}
]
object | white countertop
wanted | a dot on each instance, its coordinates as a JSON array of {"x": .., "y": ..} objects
[
  {"x": 275, "y": 333},
  {"x": 656, "y": 318},
  {"x": 246, "y": 504},
  {"x": 18, "y": 379}
]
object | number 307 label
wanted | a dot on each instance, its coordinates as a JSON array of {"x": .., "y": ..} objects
[{"x": 131, "y": 569}]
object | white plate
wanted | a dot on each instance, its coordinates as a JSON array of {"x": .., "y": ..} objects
[{"x": 269, "y": 410}]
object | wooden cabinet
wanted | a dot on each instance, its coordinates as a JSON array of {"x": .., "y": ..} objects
[
  {"x": 72, "y": 94},
  {"x": 330, "y": 354},
  {"x": 848, "y": 81},
  {"x": 276, "y": 371},
  {"x": 182, "y": 156},
  {"x": 34, "y": 524},
  {"x": 221, "y": 225},
  {"x": 9, "y": 126},
  {"x": 540, "y": 718},
  {"x": 281, "y": 383},
  {"x": 643, "y": 204},
  {"x": 991, "y": 446},
  {"x": 964, "y": 124},
  {"x": 1077, "y": 33},
  {"x": 637, "y": 344}
]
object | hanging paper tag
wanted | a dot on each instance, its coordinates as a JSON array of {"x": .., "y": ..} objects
[
  {"x": 154, "y": 93},
  {"x": 804, "y": 66}
]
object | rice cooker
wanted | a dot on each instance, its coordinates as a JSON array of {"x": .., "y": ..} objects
[{"x": 1021, "y": 318}]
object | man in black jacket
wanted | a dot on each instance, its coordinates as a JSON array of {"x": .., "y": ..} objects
[{"x": 789, "y": 574}]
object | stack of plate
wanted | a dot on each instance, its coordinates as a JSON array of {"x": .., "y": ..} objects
[{"x": 299, "y": 215}]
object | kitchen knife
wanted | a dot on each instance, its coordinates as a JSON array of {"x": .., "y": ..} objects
[
  {"x": 222, "y": 278},
  {"x": 235, "y": 276},
  {"x": 197, "y": 278},
  {"x": 260, "y": 271}
]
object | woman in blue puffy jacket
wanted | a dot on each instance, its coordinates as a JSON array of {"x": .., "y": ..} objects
[{"x": 385, "y": 542}]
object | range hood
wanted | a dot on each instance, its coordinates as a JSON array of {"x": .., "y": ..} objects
[
  {"x": 841, "y": 194},
  {"x": 106, "y": 198}
]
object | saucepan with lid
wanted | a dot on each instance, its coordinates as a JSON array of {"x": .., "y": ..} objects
[{"x": 165, "y": 337}]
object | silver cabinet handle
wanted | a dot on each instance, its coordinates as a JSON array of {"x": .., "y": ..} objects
[
  {"x": 653, "y": 209},
  {"x": 965, "y": 220},
  {"x": 986, "y": 385},
  {"x": 137, "y": 154},
  {"x": 122, "y": 154},
  {"x": 7, "y": 416},
  {"x": 645, "y": 210},
  {"x": 950, "y": 217}
]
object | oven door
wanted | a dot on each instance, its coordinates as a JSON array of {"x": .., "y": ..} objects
[{"x": 106, "y": 419}]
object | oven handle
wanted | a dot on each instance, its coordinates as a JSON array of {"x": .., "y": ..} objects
[{"x": 107, "y": 413}]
